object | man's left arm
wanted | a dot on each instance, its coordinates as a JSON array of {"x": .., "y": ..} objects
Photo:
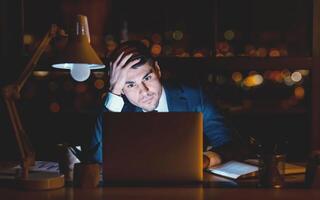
[{"x": 217, "y": 134}]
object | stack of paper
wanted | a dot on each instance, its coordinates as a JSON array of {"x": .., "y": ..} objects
[{"x": 233, "y": 169}]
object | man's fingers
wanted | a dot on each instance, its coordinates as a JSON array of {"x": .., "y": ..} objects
[
  {"x": 124, "y": 60},
  {"x": 110, "y": 68},
  {"x": 118, "y": 59},
  {"x": 130, "y": 64}
]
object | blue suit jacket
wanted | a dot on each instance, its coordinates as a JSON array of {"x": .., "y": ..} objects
[{"x": 180, "y": 98}]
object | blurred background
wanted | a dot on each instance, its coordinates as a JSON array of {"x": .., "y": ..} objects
[{"x": 255, "y": 59}]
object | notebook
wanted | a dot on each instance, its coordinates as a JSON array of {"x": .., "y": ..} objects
[{"x": 152, "y": 148}]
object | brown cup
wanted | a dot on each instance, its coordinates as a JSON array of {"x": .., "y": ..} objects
[{"x": 86, "y": 175}]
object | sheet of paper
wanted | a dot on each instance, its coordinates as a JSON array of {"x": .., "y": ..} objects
[
  {"x": 233, "y": 169},
  {"x": 10, "y": 173},
  {"x": 45, "y": 166}
]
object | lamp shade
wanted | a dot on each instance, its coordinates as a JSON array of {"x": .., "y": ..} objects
[{"x": 78, "y": 56}]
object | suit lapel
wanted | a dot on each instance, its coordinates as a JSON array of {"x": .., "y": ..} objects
[{"x": 176, "y": 100}]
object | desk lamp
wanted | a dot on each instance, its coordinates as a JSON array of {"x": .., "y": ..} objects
[{"x": 79, "y": 57}]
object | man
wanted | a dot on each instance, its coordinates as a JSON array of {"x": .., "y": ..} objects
[{"x": 135, "y": 86}]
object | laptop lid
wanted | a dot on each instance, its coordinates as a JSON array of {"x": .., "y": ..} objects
[{"x": 152, "y": 147}]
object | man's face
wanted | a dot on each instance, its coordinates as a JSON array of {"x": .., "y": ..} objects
[{"x": 143, "y": 88}]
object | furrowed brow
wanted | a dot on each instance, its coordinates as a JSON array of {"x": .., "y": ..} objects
[
  {"x": 129, "y": 82},
  {"x": 147, "y": 74}
]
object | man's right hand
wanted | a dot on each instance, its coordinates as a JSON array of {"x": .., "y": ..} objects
[{"x": 118, "y": 73}]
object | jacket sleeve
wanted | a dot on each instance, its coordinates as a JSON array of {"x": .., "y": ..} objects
[
  {"x": 94, "y": 145},
  {"x": 218, "y": 135},
  {"x": 214, "y": 127}
]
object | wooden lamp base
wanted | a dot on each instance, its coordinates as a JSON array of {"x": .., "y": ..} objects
[{"x": 41, "y": 181}]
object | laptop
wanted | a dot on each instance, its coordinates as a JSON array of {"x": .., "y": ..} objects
[{"x": 152, "y": 148}]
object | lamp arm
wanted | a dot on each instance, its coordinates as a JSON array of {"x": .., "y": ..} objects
[
  {"x": 35, "y": 57},
  {"x": 11, "y": 93},
  {"x": 26, "y": 150}
]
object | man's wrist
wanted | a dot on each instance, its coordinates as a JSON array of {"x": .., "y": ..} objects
[{"x": 115, "y": 90}]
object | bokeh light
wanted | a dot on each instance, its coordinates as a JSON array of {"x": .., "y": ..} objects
[
  {"x": 299, "y": 92},
  {"x": 54, "y": 107},
  {"x": 296, "y": 76},
  {"x": 237, "y": 77},
  {"x": 177, "y": 35},
  {"x": 28, "y": 39},
  {"x": 99, "y": 84},
  {"x": 229, "y": 35},
  {"x": 81, "y": 88},
  {"x": 274, "y": 52},
  {"x": 288, "y": 81},
  {"x": 40, "y": 74},
  {"x": 304, "y": 72},
  {"x": 261, "y": 52},
  {"x": 156, "y": 49},
  {"x": 253, "y": 80},
  {"x": 146, "y": 42}
]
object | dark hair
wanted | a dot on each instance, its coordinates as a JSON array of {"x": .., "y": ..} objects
[{"x": 137, "y": 48}]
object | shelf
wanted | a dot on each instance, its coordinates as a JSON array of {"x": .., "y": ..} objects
[
  {"x": 268, "y": 112},
  {"x": 238, "y": 63}
]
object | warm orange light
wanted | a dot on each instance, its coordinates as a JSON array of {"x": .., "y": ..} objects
[
  {"x": 156, "y": 49},
  {"x": 276, "y": 76},
  {"x": 146, "y": 42},
  {"x": 252, "y": 53},
  {"x": 261, "y": 52},
  {"x": 253, "y": 80},
  {"x": 28, "y": 39},
  {"x": 99, "y": 84},
  {"x": 54, "y": 107},
  {"x": 274, "y": 52},
  {"x": 40, "y": 74},
  {"x": 198, "y": 54},
  {"x": 223, "y": 47},
  {"x": 236, "y": 77},
  {"x": 248, "y": 48},
  {"x": 111, "y": 45},
  {"x": 299, "y": 92},
  {"x": 81, "y": 88}
]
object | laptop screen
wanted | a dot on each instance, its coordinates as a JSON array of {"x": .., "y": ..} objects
[{"x": 152, "y": 147}]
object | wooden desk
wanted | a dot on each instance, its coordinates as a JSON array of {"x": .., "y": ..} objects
[
  {"x": 210, "y": 180},
  {"x": 213, "y": 188},
  {"x": 163, "y": 193}
]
